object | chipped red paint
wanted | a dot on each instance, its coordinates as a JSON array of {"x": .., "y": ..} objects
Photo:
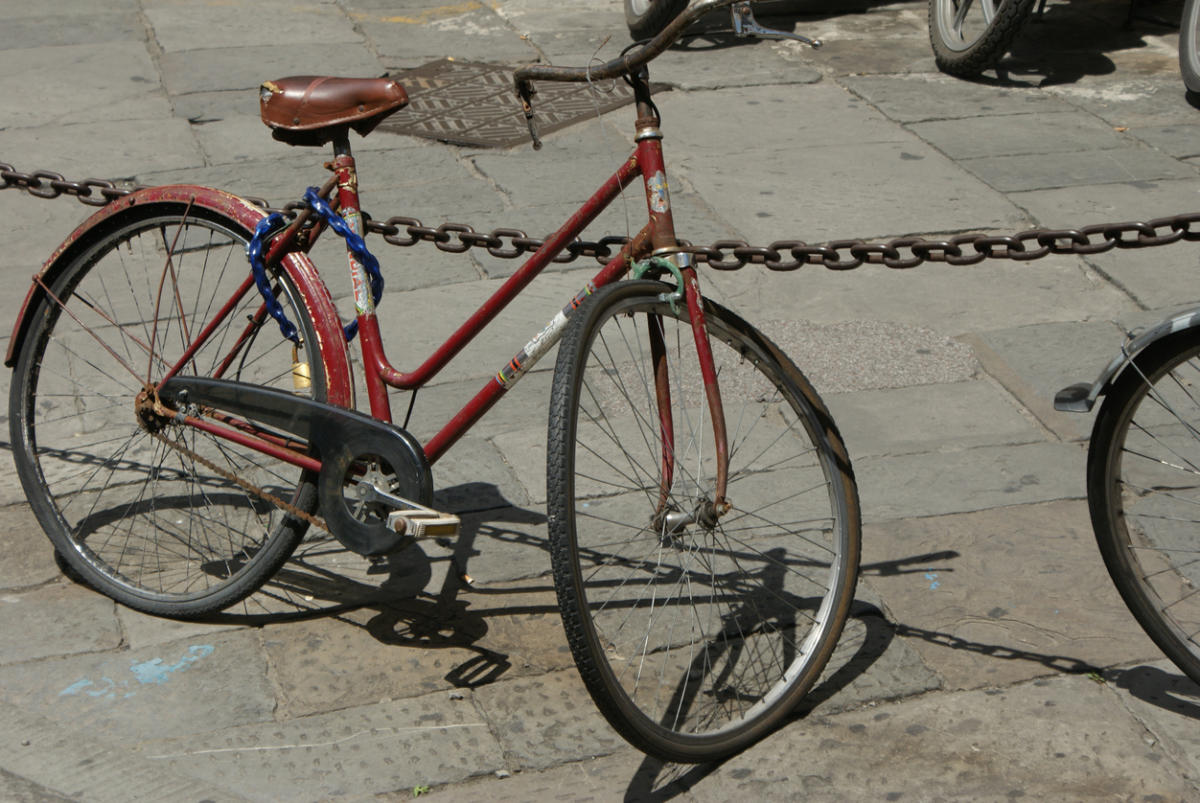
[{"x": 331, "y": 342}]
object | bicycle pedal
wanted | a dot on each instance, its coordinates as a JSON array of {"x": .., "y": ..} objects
[{"x": 423, "y": 522}]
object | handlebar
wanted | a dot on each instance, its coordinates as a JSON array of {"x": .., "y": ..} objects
[{"x": 622, "y": 65}]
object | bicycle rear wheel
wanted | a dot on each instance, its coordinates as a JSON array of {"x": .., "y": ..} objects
[
  {"x": 1144, "y": 493},
  {"x": 695, "y": 638},
  {"x": 144, "y": 509}
]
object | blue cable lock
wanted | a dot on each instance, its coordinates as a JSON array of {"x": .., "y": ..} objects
[{"x": 358, "y": 247}]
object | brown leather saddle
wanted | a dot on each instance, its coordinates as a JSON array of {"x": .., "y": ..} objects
[{"x": 312, "y": 110}]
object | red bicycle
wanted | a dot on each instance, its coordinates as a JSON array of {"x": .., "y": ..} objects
[{"x": 182, "y": 412}]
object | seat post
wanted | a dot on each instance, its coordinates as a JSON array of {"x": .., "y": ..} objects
[{"x": 341, "y": 144}]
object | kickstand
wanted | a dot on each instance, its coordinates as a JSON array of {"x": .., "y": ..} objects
[{"x": 744, "y": 24}]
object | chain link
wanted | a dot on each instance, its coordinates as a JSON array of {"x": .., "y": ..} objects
[{"x": 900, "y": 253}]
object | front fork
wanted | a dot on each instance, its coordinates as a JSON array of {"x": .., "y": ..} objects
[{"x": 664, "y": 244}]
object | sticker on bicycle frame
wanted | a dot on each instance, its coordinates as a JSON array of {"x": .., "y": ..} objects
[
  {"x": 656, "y": 192},
  {"x": 359, "y": 280},
  {"x": 542, "y": 342}
]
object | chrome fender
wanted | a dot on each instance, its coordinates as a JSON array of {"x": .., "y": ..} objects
[{"x": 1081, "y": 397}]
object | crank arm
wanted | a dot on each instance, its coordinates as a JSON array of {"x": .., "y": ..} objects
[
  {"x": 744, "y": 24},
  {"x": 410, "y": 518}
]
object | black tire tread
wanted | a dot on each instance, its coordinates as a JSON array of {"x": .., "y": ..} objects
[
  {"x": 657, "y": 16},
  {"x": 277, "y": 548},
  {"x": 1103, "y": 449},
  {"x": 989, "y": 49},
  {"x": 563, "y": 559}
]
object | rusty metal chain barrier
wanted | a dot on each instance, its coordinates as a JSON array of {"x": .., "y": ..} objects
[{"x": 781, "y": 255}]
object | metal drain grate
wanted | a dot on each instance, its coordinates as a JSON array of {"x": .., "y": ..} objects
[{"x": 467, "y": 103}]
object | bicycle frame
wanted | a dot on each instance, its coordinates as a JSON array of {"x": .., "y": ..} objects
[{"x": 657, "y": 238}]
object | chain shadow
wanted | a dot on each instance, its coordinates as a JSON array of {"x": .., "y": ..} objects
[
  {"x": 657, "y": 780},
  {"x": 1150, "y": 684}
]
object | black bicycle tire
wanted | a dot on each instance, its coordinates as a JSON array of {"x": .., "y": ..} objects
[
  {"x": 988, "y": 49},
  {"x": 1109, "y": 516},
  {"x": 651, "y": 22},
  {"x": 1189, "y": 45},
  {"x": 86, "y": 564},
  {"x": 589, "y": 654}
]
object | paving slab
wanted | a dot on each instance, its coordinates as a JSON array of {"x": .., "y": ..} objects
[
  {"x": 913, "y": 98},
  {"x": 88, "y": 25},
  {"x": 1166, "y": 702},
  {"x": 964, "y": 480},
  {"x": 187, "y": 687},
  {"x": 1076, "y": 168},
  {"x": 1155, "y": 278},
  {"x": 1045, "y": 132},
  {"x": 1064, "y": 738},
  {"x": 409, "y": 648},
  {"x": 130, "y": 147},
  {"x": 1025, "y": 594},
  {"x": 462, "y": 32},
  {"x": 85, "y": 83},
  {"x": 545, "y": 720},
  {"x": 823, "y": 211},
  {"x": 949, "y": 300},
  {"x": 1034, "y": 362},
  {"x": 29, "y": 557},
  {"x": 423, "y": 741},
  {"x": 50, "y": 761},
  {"x": 870, "y": 355},
  {"x": 217, "y": 69},
  {"x": 929, "y": 418},
  {"x": 187, "y": 26},
  {"x": 58, "y": 619},
  {"x": 1129, "y": 101}
]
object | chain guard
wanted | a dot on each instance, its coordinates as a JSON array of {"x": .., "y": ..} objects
[{"x": 343, "y": 440}]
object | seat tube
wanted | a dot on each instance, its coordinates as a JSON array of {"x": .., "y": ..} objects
[{"x": 370, "y": 340}]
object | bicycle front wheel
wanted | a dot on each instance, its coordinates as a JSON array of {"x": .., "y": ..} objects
[
  {"x": 144, "y": 509},
  {"x": 694, "y": 636},
  {"x": 1144, "y": 493},
  {"x": 969, "y": 36}
]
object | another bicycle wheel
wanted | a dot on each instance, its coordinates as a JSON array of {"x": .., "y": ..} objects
[
  {"x": 694, "y": 637},
  {"x": 647, "y": 18},
  {"x": 1143, "y": 484},
  {"x": 145, "y": 509},
  {"x": 969, "y": 36},
  {"x": 1189, "y": 45}
]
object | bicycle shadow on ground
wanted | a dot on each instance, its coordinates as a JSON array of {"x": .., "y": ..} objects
[
  {"x": 1080, "y": 38},
  {"x": 865, "y": 639},
  {"x": 656, "y": 780},
  {"x": 1068, "y": 42}
]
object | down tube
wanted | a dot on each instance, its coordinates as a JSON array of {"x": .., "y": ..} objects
[
  {"x": 549, "y": 336},
  {"x": 542, "y": 342},
  {"x": 492, "y": 307}
]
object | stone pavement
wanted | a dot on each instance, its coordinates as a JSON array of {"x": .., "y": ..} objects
[{"x": 988, "y": 656}]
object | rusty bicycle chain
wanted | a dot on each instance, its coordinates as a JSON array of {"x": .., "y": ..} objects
[
  {"x": 781, "y": 255},
  {"x": 245, "y": 485}
]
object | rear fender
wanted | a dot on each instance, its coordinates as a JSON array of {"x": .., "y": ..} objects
[
  {"x": 1082, "y": 397},
  {"x": 332, "y": 341}
]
